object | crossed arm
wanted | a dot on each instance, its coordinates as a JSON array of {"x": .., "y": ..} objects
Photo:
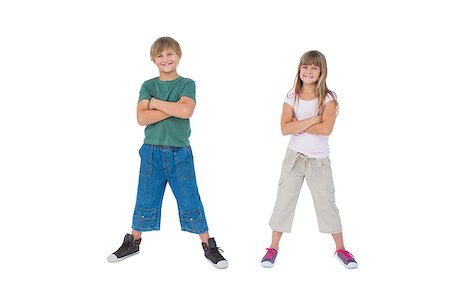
[
  {"x": 318, "y": 125},
  {"x": 150, "y": 111}
]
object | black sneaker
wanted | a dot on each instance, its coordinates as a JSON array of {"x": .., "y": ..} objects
[
  {"x": 129, "y": 248},
  {"x": 212, "y": 254}
]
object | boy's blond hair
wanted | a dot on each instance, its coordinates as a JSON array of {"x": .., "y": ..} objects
[{"x": 164, "y": 43}]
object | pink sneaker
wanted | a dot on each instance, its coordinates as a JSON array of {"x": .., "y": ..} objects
[
  {"x": 269, "y": 259},
  {"x": 346, "y": 258}
]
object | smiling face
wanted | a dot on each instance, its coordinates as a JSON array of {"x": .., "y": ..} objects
[
  {"x": 310, "y": 80},
  {"x": 165, "y": 52},
  {"x": 309, "y": 74},
  {"x": 312, "y": 69},
  {"x": 167, "y": 61}
]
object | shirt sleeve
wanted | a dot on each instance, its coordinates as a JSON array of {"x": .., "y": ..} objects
[
  {"x": 189, "y": 89},
  {"x": 145, "y": 92},
  {"x": 329, "y": 97},
  {"x": 290, "y": 99}
]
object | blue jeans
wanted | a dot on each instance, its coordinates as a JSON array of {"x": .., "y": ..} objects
[{"x": 175, "y": 165}]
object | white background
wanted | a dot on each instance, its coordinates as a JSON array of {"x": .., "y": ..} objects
[{"x": 70, "y": 76}]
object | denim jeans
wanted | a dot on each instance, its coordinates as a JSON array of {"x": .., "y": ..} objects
[{"x": 174, "y": 165}]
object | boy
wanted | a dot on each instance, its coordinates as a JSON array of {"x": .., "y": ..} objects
[{"x": 165, "y": 105}]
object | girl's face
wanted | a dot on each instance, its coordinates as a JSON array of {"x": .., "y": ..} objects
[
  {"x": 167, "y": 61},
  {"x": 309, "y": 74}
]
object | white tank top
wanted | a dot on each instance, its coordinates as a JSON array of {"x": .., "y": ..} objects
[{"x": 308, "y": 144}]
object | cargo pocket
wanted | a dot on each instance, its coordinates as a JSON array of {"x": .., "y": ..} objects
[
  {"x": 146, "y": 219},
  {"x": 192, "y": 220},
  {"x": 330, "y": 188}
]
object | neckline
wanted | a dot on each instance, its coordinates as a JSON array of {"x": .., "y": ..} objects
[
  {"x": 168, "y": 80},
  {"x": 310, "y": 100}
]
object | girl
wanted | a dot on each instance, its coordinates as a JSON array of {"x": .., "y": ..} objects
[{"x": 309, "y": 113}]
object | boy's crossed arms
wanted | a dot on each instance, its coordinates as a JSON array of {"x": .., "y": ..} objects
[{"x": 155, "y": 110}]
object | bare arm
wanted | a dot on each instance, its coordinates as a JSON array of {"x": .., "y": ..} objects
[
  {"x": 146, "y": 116},
  {"x": 325, "y": 127},
  {"x": 289, "y": 125},
  {"x": 184, "y": 108}
]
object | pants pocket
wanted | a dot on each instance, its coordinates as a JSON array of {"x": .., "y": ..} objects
[
  {"x": 185, "y": 173},
  {"x": 330, "y": 187},
  {"x": 146, "y": 219},
  {"x": 193, "y": 221},
  {"x": 191, "y": 216},
  {"x": 146, "y": 155},
  {"x": 289, "y": 160},
  {"x": 321, "y": 164}
]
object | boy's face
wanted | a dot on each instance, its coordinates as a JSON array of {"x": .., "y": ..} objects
[{"x": 167, "y": 61}]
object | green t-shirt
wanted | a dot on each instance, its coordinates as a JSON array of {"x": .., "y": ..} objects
[{"x": 171, "y": 131}]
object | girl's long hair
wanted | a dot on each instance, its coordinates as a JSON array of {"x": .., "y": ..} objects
[{"x": 316, "y": 58}]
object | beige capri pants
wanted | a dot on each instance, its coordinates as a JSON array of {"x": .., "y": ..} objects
[{"x": 317, "y": 171}]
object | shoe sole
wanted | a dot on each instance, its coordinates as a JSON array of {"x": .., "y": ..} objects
[
  {"x": 113, "y": 259},
  {"x": 267, "y": 264},
  {"x": 352, "y": 265},
  {"x": 223, "y": 264}
]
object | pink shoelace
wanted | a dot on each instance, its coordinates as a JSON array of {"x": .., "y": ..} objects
[
  {"x": 270, "y": 253},
  {"x": 347, "y": 255}
]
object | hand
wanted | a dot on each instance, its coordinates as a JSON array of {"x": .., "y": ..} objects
[
  {"x": 317, "y": 119},
  {"x": 151, "y": 103}
]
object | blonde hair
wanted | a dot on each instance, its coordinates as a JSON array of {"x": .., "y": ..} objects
[
  {"x": 316, "y": 58},
  {"x": 162, "y": 44}
]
